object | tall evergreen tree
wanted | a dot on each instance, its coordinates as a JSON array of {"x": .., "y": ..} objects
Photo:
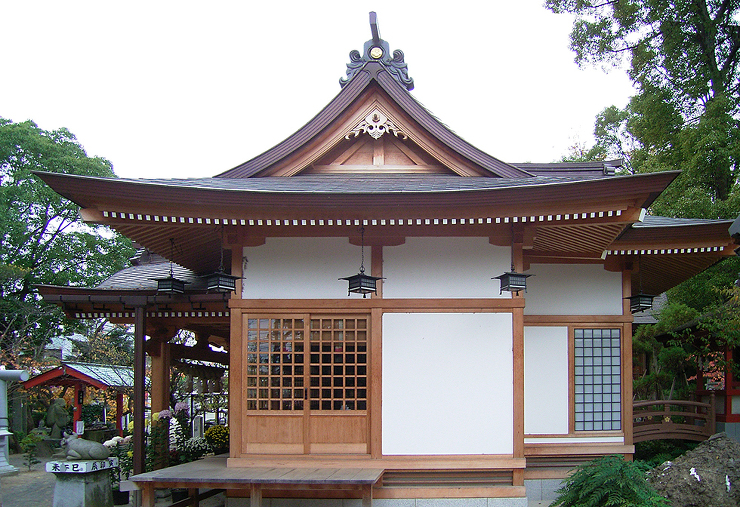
[
  {"x": 43, "y": 239},
  {"x": 683, "y": 59}
]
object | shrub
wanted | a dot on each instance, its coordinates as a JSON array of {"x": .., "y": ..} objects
[
  {"x": 217, "y": 437},
  {"x": 609, "y": 481},
  {"x": 28, "y": 444},
  {"x": 193, "y": 449},
  {"x": 656, "y": 452}
]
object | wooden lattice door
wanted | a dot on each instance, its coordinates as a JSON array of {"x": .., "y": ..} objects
[{"x": 306, "y": 381}]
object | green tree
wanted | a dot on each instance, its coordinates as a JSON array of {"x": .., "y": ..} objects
[
  {"x": 43, "y": 239},
  {"x": 104, "y": 343},
  {"x": 683, "y": 59}
]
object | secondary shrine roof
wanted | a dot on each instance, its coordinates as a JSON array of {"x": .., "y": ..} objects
[{"x": 97, "y": 375}]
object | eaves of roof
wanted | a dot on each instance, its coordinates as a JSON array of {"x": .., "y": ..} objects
[
  {"x": 373, "y": 73},
  {"x": 224, "y": 194},
  {"x": 655, "y": 228}
]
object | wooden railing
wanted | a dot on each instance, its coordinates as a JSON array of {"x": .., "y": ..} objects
[{"x": 665, "y": 419}]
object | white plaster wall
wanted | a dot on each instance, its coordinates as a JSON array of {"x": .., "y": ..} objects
[
  {"x": 297, "y": 268},
  {"x": 447, "y": 383},
  {"x": 545, "y": 380},
  {"x": 444, "y": 268},
  {"x": 562, "y": 289}
]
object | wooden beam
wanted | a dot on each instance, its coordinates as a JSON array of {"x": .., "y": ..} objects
[{"x": 179, "y": 351}]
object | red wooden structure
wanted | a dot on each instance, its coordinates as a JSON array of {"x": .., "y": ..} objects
[{"x": 82, "y": 375}]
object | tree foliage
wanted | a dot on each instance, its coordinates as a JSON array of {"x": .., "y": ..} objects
[
  {"x": 43, "y": 239},
  {"x": 104, "y": 343},
  {"x": 683, "y": 58}
]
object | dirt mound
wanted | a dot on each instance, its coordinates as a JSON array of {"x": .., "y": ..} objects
[{"x": 709, "y": 475}]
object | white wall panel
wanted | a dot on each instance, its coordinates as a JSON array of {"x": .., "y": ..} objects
[
  {"x": 545, "y": 380},
  {"x": 296, "y": 268},
  {"x": 562, "y": 289},
  {"x": 447, "y": 384},
  {"x": 444, "y": 268}
]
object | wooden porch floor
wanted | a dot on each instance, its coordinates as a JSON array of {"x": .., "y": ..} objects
[
  {"x": 213, "y": 473},
  {"x": 341, "y": 476}
]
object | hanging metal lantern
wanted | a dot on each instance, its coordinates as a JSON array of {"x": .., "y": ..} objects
[
  {"x": 511, "y": 281},
  {"x": 170, "y": 285},
  {"x": 641, "y": 302},
  {"x": 220, "y": 281},
  {"x": 362, "y": 283}
]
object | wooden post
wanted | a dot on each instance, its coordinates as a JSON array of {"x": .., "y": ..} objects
[
  {"x": 237, "y": 445},
  {"x": 139, "y": 373},
  {"x": 160, "y": 361},
  {"x": 729, "y": 378},
  {"x": 255, "y": 495},
  {"x": 627, "y": 416},
  {"x": 77, "y": 414},
  {"x": 367, "y": 495},
  {"x": 517, "y": 318}
]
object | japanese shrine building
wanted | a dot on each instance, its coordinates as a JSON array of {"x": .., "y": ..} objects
[{"x": 449, "y": 386}]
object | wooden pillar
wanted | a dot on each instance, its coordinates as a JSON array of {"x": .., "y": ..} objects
[
  {"x": 517, "y": 317},
  {"x": 627, "y": 415},
  {"x": 728, "y": 382},
  {"x": 77, "y": 413},
  {"x": 237, "y": 441},
  {"x": 139, "y": 374},
  {"x": 160, "y": 363}
]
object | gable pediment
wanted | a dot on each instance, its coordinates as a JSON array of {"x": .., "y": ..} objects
[{"x": 374, "y": 136}]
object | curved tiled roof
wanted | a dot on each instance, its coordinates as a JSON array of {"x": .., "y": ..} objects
[{"x": 374, "y": 73}]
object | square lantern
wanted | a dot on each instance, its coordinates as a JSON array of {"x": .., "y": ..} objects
[
  {"x": 221, "y": 282},
  {"x": 512, "y": 281},
  {"x": 362, "y": 284},
  {"x": 640, "y": 302},
  {"x": 170, "y": 285}
]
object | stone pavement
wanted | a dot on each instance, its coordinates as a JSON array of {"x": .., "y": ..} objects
[
  {"x": 35, "y": 488},
  {"x": 27, "y": 489}
]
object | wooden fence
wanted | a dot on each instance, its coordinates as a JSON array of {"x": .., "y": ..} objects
[{"x": 679, "y": 419}]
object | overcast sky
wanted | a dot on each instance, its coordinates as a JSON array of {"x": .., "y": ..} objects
[{"x": 190, "y": 89}]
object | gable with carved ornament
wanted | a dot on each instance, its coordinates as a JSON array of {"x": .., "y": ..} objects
[{"x": 375, "y": 137}]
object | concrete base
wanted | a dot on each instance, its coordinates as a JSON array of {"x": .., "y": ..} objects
[
  {"x": 7, "y": 469},
  {"x": 381, "y": 502},
  {"x": 542, "y": 490},
  {"x": 91, "y": 489},
  {"x": 732, "y": 430}
]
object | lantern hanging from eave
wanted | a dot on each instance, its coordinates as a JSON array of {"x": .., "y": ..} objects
[{"x": 362, "y": 283}]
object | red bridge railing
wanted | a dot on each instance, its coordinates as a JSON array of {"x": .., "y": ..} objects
[{"x": 679, "y": 419}]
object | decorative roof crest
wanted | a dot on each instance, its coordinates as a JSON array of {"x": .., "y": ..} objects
[
  {"x": 376, "y": 124},
  {"x": 378, "y": 50}
]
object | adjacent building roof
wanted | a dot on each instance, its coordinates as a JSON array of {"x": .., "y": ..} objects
[{"x": 99, "y": 376}]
